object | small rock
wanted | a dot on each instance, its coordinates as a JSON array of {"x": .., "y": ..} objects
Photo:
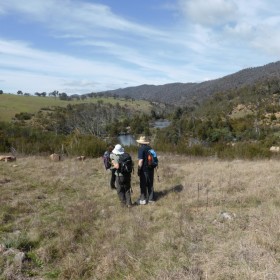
[
  {"x": 19, "y": 258},
  {"x": 2, "y": 248},
  {"x": 10, "y": 252},
  {"x": 225, "y": 216}
]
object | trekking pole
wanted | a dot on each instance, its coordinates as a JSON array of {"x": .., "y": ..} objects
[
  {"x": 131, "y": 190},
  {"x": 198, "y": 188},
  {"x": 157, "y": 175},
  {"x": 207, "y": 191}
]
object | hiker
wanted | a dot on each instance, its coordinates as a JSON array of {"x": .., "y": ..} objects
[
  {"x": 108, "y": 166},
  {"x": 123, "y": 177},
  {"x": 145, "y": 173}
]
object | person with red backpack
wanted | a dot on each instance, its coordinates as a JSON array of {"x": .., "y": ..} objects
[{"x": 147, "y": 162}]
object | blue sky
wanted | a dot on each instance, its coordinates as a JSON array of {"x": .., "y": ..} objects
[{"x": 79, "y": 46}]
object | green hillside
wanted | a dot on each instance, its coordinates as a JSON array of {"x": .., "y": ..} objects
[{"x": 11, "y": 104}]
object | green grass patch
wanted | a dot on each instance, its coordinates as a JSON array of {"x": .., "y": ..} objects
[{"x": 11, "y": 104}]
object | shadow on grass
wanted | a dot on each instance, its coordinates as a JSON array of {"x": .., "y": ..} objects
[{"x": 161, "y": 194}]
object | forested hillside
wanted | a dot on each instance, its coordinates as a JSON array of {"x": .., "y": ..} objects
[
  {"x": 191, "y": 93},
  {"x": 238, "y": 123}
]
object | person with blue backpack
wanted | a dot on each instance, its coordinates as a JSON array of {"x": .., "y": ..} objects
[{"x": 147, "y": 162}]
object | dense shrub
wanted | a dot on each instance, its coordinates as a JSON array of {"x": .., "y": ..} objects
[
  {"x": 23, "y": 116},
  {"x": 84, "y": 145},
  {"x": 33, "y": 141}
]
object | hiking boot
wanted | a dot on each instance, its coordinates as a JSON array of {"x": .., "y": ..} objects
[{"x": 151, "y": 201}]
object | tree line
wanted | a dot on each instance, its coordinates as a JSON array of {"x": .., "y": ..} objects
[
  {"x": 75, "y": 129},
  {"x": 236, "y": 123}
]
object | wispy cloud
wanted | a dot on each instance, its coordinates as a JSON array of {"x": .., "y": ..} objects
[
  {"x": 22, "y": 58},
  {"x": 213, "y": 12},
  {"x": 76, "y": 17},
  {"x": 88, "y": 46}
]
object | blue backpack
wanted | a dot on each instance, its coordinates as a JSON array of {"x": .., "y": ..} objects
[{"x": 152, "y": 160}]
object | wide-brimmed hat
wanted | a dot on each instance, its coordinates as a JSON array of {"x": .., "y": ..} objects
[
  {"x": 142, "y": 140},
  {"x": 118, "y": 150}
]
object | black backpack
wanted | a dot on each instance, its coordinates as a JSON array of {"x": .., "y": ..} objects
[{"x": 125, "y": 163}]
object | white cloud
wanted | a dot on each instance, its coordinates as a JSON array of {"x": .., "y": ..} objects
[
  {"x": 210, "y": 12},
  {"x": 95, "y": 25},
  {"x": 32, "y": 70},
  {"x": 268, "y": 42},
  {"x": 100, "y": 50},
  {"x": 251, "y": 24},
  {"x": 54, "y": 66},
  {"x": 64, "y": 70},
  {"x": 76, "y": 17},
  {"x": 257, "y": 26}
]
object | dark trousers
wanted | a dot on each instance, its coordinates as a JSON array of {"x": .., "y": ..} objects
[
  {"x": 147, "y": 184},
  {"x": 113, "y": 179},
  {"x": 123, "y": 189}
]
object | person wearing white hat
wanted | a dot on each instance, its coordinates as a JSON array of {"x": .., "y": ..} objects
[
  {"x": 123, "y": 181},
  {"x": 145, "y": 173}
]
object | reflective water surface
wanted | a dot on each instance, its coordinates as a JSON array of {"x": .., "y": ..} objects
[{"x": 128, "y": 139}]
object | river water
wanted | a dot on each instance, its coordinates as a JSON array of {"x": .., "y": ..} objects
[
  {"x": 163, "y": 123},
  {"x": 129, "y": 140}
]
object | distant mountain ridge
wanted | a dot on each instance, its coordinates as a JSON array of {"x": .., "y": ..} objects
[{"x": 187, "y": 93}]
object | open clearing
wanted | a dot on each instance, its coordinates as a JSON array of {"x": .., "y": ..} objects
[
  {"x": 212, "y": 219},
  {"x": 11, "y": 104}
]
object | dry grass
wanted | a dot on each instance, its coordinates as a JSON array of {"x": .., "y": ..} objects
[{"x": 70, "y": 225}]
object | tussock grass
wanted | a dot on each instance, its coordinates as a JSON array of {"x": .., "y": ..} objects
[{"x": 212, "y": 219}]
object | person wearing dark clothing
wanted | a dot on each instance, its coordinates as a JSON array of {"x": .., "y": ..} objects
[
  {"x": 108, "y": 165},
  {"x": 145, "y": 173},
  {"x": 123, "y": 181},
  {"x": 113, "y": 179}
]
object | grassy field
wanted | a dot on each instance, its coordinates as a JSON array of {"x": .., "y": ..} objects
[
  {"x": 11, "y": 104},
  {"x": 212, "y": 219}
]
